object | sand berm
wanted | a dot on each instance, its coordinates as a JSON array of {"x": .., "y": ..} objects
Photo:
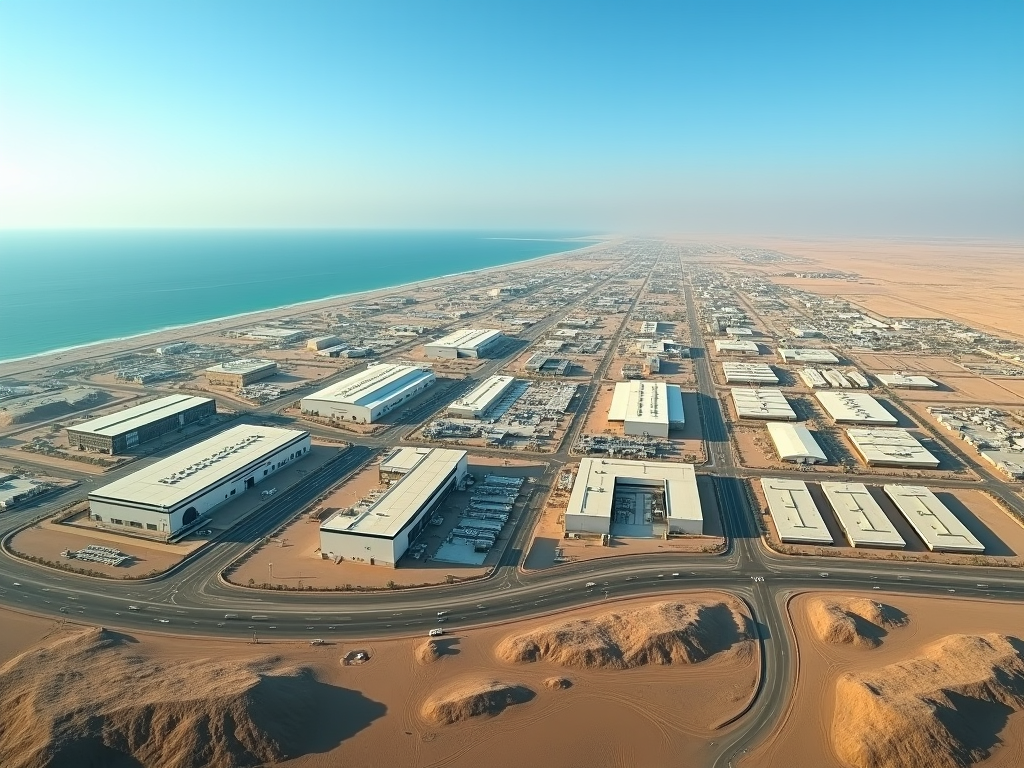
[{"x": 854, "y": 621}]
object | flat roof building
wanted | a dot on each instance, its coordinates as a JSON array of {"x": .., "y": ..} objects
[
  {"x": 903, "y": 381},
  {"x": 863, "y": 522},
  {"x": 380, "y": 533},
  {"x": 634, "y": 499},
  {"x": 469, "y": 342},
  {"x": 939, "y": 529},
  {"x": 14, "y": 489},
  {"x": 366, "y": 396},
  {"x": 763, "y": 403},
  {"x": 813, "y": 378},
  {"x": 854, "y": 408},
  {"x": 796, "y": 516},
  {"x": 804, "y": 333},
  {"x": 647, "y": 407},
  {"x": 482, "y": 398},
  {"x": 241, "y": 373},
  {"x": 178, "y": 492},
  {"x": 794, "y": 442},
  {"x": 119, "y": 432},
  {"x": 269, "y": 333},
  {"x": 749, "y": 373},
  {"x": 807, "y": 356},
  {"x": 735, "y": 347},
  {"x": 322, "y": 342},
  {"x": 891, "y": 447}
]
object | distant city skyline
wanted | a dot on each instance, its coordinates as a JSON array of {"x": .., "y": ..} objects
[{"x": 798, "y": 118}]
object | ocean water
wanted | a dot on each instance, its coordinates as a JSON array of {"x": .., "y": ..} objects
[{"x": 66, "y": 289}]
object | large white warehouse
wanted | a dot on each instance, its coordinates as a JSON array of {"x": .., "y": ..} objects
[
  {"x": 482, "y": 398},
  {"x": 763, "y": 403},
  {"x": 854, "y": 408},
  {"x": 380, "y": 533},
  {"x": 470, "y": 342},
  {"x": 643, "y": 499},
  {"x": 794, "y": 512},
  {"x": 891, "y": 448},
  {"x": 939, "y": 528},
  {"x": 179, "y": 491},
  {"x": 794, "y": 442},
  {"x": 651, "y": 407},
  {"x": 862, "y": 520},
  {"x": 368, "y": 395},
  {"x": 749, "y": 373},
  {"x": 807, "y": 356}
]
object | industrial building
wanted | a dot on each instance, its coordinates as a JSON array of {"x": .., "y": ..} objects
[
  {"x": 763, "y": 403},
  {"x": 807, "y": 356},
  {"x": 804, "y": 333},
  {"x": 749, "y": 373},
  {"x": 477, "y": 402},
  {"x": 854, "y": 408},
  {"x": 119, "y": 432},
  {"x": 469, "y": 342},
  {"x": 15, "y": 489},
  {"x": 734, "y": 347},
  {"x": 544, "y": 364},
  {"x": 366, "y": 396},
  {"x": 380, "y": 533},
  {"x": 863, "y": 522},
  {"x": 634, "y": 499},
  {"x": 647, "y": 407},
  {"x": 813, "y": 378},
  {"x": 794, "y": 442},
  {"x": 241, "y": 373},
  {"x": 891, "y": 447},
  {"x": 322, "y": 342},
  {"x": 939, "y": 529},
  {"x": 268, "y": 333},
  {"x": 175, "y": 494},
  {"x": 903, "y": 381},
  {"x": 796, "y": 516}
]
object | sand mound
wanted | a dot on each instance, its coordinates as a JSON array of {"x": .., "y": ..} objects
[
  {"x": 855, "y": 621},
  {"x": 429, "y": 652},
  {"x": 664, "y": 633},
  {"x": 473, "y": 699},
  {"x": 84, "y": 700},
  {"x": 558, "y": 683},
  {"x": 942, "y": 709}
]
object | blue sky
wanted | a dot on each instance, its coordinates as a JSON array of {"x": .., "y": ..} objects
[{"x": 797, "y": 118}]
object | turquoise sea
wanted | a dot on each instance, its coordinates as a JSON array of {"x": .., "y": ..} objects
[{"x": 66, "y": 289}]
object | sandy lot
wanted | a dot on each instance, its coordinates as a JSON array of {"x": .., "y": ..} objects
[{"x": 803, "y": 740}]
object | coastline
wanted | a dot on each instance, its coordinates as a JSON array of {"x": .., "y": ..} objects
[{"x": 168, "y": 334}]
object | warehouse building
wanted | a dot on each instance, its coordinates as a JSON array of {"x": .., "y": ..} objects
[
  {"x": 241, "y": 373},
  {"x": 470, "y": 342},
  {"x": 734, "y": 347},
  {"x": 796, "y": 516},
  {"x": 366, "y": 396},
  {"x": 763, "y": 403},
  {"x": 903, "y": 381},
  {"x": 119, "y": 432},
  {"x": 15, "y": 489},
  {"x": 381, "y": 532},
  {"x": 854, "y": 408},
  {"x": 481, "y": 399},
  {"x": 647, "y": 407},
  {"x": 807, "y": 356},
  {"x": 749, "y": 373},
  {"x": 269, "y": 333},
  {"x": 939, "y": 529},
  {"x": 794, "y": 442},
  {"x": 891, "y": 447},
  {"x": 805, "y": 333},
  {"x": 813, "y": 378},
  {"x": 177, "y": 493},
  {"x": 322, "y": 342},
  {"x": 863, "y": 522},
  {"x": 634, "y": 499}
]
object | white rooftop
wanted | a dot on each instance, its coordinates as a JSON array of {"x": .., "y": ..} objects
[
  {"x": 375, "y": 384},
  {"x": 483, "y": 395},
  {"x": 893, "y": 446},
  {"x": 467, "y": 338},
  {"x": 860, "y": 517},
  {"x": 172, "y": 480},
  {"x": 242, "y": 366},
  {"x": 795, "y": 442},
  {"x": 15, "y": 486},
  {"x": 808, "y": 356},
  {"x": 594, "y": 489},
  {"x": 730, "y": 345},
  {"x": 757, "y": 373},
  {"x": 652, "y": 402},
  {"x": 855, "y": 407},
  {"x": 763, "y": 403},
  {"x": 139, "y": 415},
  {"x": 794, "y": 512},
  {"x": 389, "y": 513},
  {"x": 904, "y": 381},
  {"x": 939, "y": 528},
  {"x": 402, "y": 460}
]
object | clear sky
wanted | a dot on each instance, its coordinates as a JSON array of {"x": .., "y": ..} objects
[{"x": 798, "y": 118}]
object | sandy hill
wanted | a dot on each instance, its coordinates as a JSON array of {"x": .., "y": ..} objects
[
  {"x": 88, "y": 699},
  {"x": 943, "y": 709},
  {"x": 853, "y": 620},
  {"x": 473, "y": 699},
  {"x": 663, "y": 633}
]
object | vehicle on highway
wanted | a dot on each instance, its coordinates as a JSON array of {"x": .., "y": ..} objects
[
  {"x": 436, "y": 632},
  {"x": 318, "y": 641},
  {"x": 443, "y": 618},
  {"x": 64, "y": 609},
  {"x": 440, "y": 613},
  {"x": 675, "y": 575},
  {"x": 258, "y": 617},
  {"x": 230, "y": 615},
  {"x": 823, "y": 574},
  {"x": 591, "y": 584},
  {"x": 163, "y": 621},
  {"x": 134, "y": 608}
]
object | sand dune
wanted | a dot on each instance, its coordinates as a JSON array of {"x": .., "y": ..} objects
[
  {"x": 558, "y": 683},
  {"x": 942, "y": 709},
  {"x": 663, "y": 633},
  {"x": 85, "y": 700},
  {"x": 473, "y": 699},
  {"x": 853, "y": 620}
]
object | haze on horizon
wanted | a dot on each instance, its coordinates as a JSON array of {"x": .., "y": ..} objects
[{"x": 799, "y": 118}]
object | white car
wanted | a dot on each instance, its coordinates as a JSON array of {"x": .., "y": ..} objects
[
  {"x": 591, "y": 584},
  {"x": 436, "y": 632}
]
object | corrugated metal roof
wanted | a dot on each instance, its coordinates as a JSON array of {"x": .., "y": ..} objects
[{"x": 140, "y": 415}]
